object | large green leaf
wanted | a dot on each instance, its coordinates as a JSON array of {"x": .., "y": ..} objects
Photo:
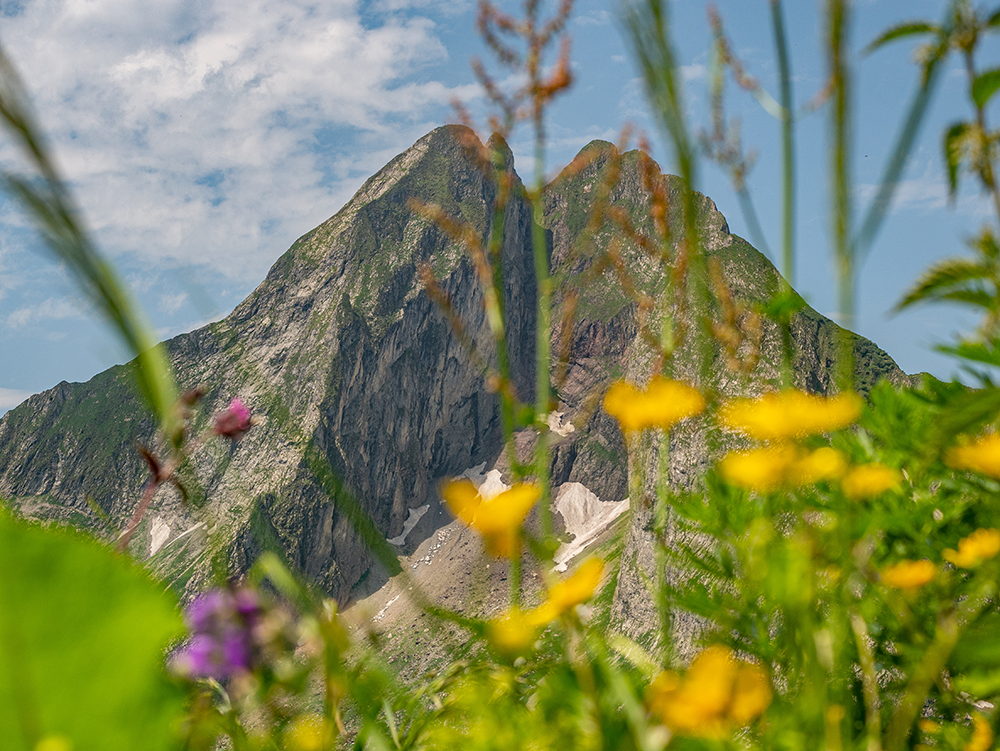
[
  {"x": 899, "y": 32},
  {"x": 955, "y": 143},
  {"x": 985, "y": 86},
  {"x": 944, "y": 277},
  {"x": 82, "y": 638}
]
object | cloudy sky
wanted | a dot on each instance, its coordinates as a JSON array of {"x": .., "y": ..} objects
[{"x": 203, "y": 136}]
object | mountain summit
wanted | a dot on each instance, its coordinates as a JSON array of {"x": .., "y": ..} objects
[{"x": 343, "y": 354}]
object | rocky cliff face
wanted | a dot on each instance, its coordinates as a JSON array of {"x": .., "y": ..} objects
[{"x": 344, "y": 355}]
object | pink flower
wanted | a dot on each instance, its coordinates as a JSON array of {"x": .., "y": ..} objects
[{"x": 233, "y": 421}]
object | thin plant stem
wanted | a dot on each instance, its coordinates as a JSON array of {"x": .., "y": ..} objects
[
  {"x": 879, "y": 206},
  {"x": 869, "y": 683},
  {"x": 543, "y": 322},
  {"x": 787, "y": 146},
  {"x": 838, "y": 24},
  {"x": 787, "y": 183}
]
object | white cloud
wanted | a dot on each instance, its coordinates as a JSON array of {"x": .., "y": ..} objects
[
  {"x": 172, "y": 303},
  {"x": 52, "y": 309},
  {"x": 197, "y": 133},
  {"x": 595, "y": 18},
  {"x": 10, "y": 398},
  {"x": 928, "y": 192},
  {"x": 694, "y": 71}
]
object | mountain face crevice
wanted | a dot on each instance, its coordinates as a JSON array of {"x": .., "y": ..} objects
[{"x": 346, "y": 359}]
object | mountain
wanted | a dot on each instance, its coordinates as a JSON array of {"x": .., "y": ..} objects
[{"x": 350, "y": 364}]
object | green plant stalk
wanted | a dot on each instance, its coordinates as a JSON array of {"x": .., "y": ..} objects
[
  {"x": 838, "y": 20},
  {"x": 787, "y": 183},
  {"x": 649, "y": 29},
  {"x": 890, "y": 179},
  {"x": 495, "y": 254},
  {"x": 949, "y": 630},
  {"x": 543, "y": 333},
  {"x": 988, "y": 176},
  {"x": 53, "y": 210},
  {"x": 660, "y": 517},
  {"x": 869, "y": 682},
  {"x": 787, "y": 146}
]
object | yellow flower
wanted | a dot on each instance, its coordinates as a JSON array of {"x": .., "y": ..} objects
[
  {"x": 717, "y": 693},
  {"x": 982, "y": 734},
  {"x": 309, "y": 732},
  {"x": 822, "y": 464},
  {"x": 790, "y": 414},
  {"x": 759, "y": 469},
  {"x": 498, "y": 519},
  {"x": 512, "y": 633},
  {"x": 868, "y": 480},
  {"x": 980, "y": 455},
  {"x": 980, "y": 546},
  {"x": 908, "y": 574},
  {"x": 570, "y": 592},
  {"x": 751, "y": 694},
  {"x": 662, "y": 404},
  {"x": 769, "y": 467},
  {"x": 54, "y": 743},
  {"x": 928, "y": 726}
]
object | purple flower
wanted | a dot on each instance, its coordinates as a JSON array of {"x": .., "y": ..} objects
[
  {"x": 199, "y": 658},
  {"x": 235, "y": 650},
  {"x": 247, "y": 604},
  {"x": 233, "y": 421},
  {"x": 204, "y": 609},
  {"x": 222, "y": 644}
]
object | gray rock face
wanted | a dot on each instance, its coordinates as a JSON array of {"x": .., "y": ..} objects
[{"x": 344, "y": 356}]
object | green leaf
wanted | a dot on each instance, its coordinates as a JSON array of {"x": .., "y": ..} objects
[
  {"x": 994, "y": 20},
  {"x": 984, "y": 86},
  {"x": 82, "y": 638},
  {"x": 907, "y": 29},
  {"x": 47, "y": 200},
  {"x": 943, "y": 277},
  {"x": 953, "y": 153}
]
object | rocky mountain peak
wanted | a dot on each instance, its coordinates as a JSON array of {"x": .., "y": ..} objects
[{"x": 352, "y": 367}]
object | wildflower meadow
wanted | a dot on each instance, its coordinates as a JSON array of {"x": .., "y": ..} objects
[{"x": 841, "y": 553}]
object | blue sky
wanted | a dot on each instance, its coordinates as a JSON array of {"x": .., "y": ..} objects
[{"x": 204, "y": 136}]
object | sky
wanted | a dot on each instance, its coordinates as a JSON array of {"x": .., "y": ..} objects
[{"x": 202, "y": 137}]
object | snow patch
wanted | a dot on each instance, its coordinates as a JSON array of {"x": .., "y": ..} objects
[
  {"x": 381, "y": 614},
  {"x": 585, "y": 516},
  {"x": 489, "y": 484},
  {"x": 158, "y": 535},
  {"x": 410, "y": 523},
  {"x": 555, "y": 423}
]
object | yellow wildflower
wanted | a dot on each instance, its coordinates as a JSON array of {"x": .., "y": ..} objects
[
  {"x": 928, "y": 726},
  {"x": 982, "y": 734},
  {"x": 512, "y": 633},
  {"x": 980, "y": 546},
  {"x": 662, "y": 404},
  {"x": 822, "y": 464},
  {"x": 868, "y": 480},
  {"x": 498, "y": 519},
  {"x": 570, "y": 592},
  {"x": 717, "y": 693},
  {"x": 908, "y": 574},
  {"x": 751, "y": 694},
  {"x": 309, "y": 732},
  {"x": 790, "y": 414},
  {"x": 769, "y": 467},
  {"x": 54, "y": 743},
  {"x": 980, "y": 455},
  {"x": 760, "y": 469}
]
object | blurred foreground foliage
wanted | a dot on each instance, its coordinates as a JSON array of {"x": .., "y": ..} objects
[{"x": 841, "y": 568}]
